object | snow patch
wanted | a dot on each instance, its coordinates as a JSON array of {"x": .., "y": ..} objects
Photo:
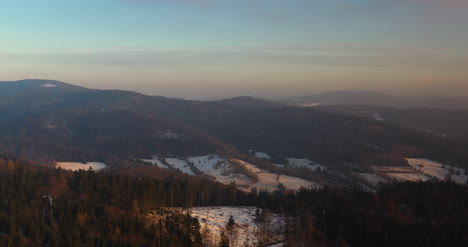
[
  {"x": 155, "y": 162},
  {"x": 262, "y": 155},
  {"x": 439, "y": 170},
  {"x": 48, "y": 85},
  {"x": 180, "y": 165},
  {"x": 207, "y": 163},
  {"x": 378, "y": 117},
  {"x": 215, "y": 220},
  {"x": 304, "y": 163},
  {"x": 372, "y": 178}
]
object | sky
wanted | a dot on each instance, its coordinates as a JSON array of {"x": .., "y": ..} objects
[{"x": 220, "y": 48}]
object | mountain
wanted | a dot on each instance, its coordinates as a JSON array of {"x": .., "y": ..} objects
[
  {"x": 69, "y": 123},
  {"x": 440, "y": 122},
  {"x": 379, "y": 99},
  {"x": 248, "y": 101}
]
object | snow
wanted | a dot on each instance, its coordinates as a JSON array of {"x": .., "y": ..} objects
[
  {"x": 216, "y": 218},
  {"x": 180, "y": 165},
  {"x": 155, "y": 162},
  {"x": 270, "y": 181},
  {"x": 372, "y": 178},
  {"x": 223, "y": 171},
  {"x": 304, "y": 163},
  {"x": 312, "y": 104},
  {"x": 263, "y": 156},
  {"x": 438, "y": 170},
  {"x": 206, "y": 163},
  {"x": 378, "y": 117},
  {"x": 48, "y": 85},
  {"x": 75, "y": 166},
  {"x": 411, "y": 177}
]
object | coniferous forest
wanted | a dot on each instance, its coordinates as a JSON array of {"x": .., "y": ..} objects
[{"x": 52, "y": 207}]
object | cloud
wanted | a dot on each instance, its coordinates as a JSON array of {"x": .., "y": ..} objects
[{"x": 335, "y": 55}]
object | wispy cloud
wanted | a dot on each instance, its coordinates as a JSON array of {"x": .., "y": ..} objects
[{"x": 292, "y": 55}]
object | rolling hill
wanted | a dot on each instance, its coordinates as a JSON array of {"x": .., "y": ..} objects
[
  {"x": 379, "y": 99},
  {"x": 55, "y": 121}
]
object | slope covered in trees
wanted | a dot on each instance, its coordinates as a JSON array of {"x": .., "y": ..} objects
[
  {"x": 68, "y": 123},
  {"x": 43, "y": 206}
]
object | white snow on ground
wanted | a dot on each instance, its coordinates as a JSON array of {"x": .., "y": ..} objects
[
  {"x": 75, "y": 166},
  {"x": 48, "y": 85},
  {"x": 312, "y": 104},
  {"x": 180, "y": 165},
  {"x": 206, "y": 163},
  {"x": 372, "y": 178},
  {"x": 216, "y": 218},
  {"x": 270, "y": 181},
  {"x": 223, "y": 171},
  {"x": 438, "y": 170},
  {"x": 412, "y": 177},
  {"x": 155, "y": 162},
  {"x": 220, "y": 170},
  {"x": 263, "y": 156},
  {"x": 378, "y": 117},
  {"x": 299, "y": 163}
]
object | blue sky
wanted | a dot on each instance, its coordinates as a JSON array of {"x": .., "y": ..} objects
[{"x": 209, "y": 48}]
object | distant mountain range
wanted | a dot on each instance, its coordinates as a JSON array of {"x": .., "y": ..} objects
[
  {"x": 379, "y": 99},
  {"x": 50, "y": 120}
]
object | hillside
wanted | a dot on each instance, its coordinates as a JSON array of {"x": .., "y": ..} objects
[
  {"x": 451, "y": 123},
  {"x": 119, "y": 128},
  {"x": 379, "y": 99}
]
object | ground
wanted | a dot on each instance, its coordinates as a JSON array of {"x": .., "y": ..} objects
[
  {"x": 216, "y": 218},
  {"x": 75, "y": 166}
]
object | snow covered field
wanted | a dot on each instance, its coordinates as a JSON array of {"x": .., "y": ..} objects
[
  {"x": 180, "y": 165},
  {"x": 216, "y": 218},
  {"x": 48, "y": 85},
  {"x": 305, "y": 163},
  {"x": 75, "y": 166},
  {"x": 262, "y": 155},
  {"x": 438, "y": 170},
  {"x": 155, "y": 162},
  {"x": 225, "y": 171},
  {"x": 372, "y": 178},
  {"x": 411, "y": 177},
  {"x": 207, "y": 163}
]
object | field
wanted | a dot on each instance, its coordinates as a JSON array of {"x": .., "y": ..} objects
[
  {"x": 372, "y": 178},
  {"x": 411, "y": 177},
  {"x": 155, "y": 162},
  {"x": 304, "y": 163},
  {"x": 75, "y": 166},
  {"x": 215, "y": 220},
  {"x": 438, "y": 170},
  {"x": 293, "y": 183},
  {"x": 222, "y": 170},
  {"x": 179, "y": 164}
]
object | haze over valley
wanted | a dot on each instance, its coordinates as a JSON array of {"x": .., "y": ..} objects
[{"x": 246, "y": 123}]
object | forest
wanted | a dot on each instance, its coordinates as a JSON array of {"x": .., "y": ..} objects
[{"x": 52, "y": 207}]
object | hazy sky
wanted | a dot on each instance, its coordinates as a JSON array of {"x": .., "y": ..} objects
[{"x": 209, "y": 48}]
